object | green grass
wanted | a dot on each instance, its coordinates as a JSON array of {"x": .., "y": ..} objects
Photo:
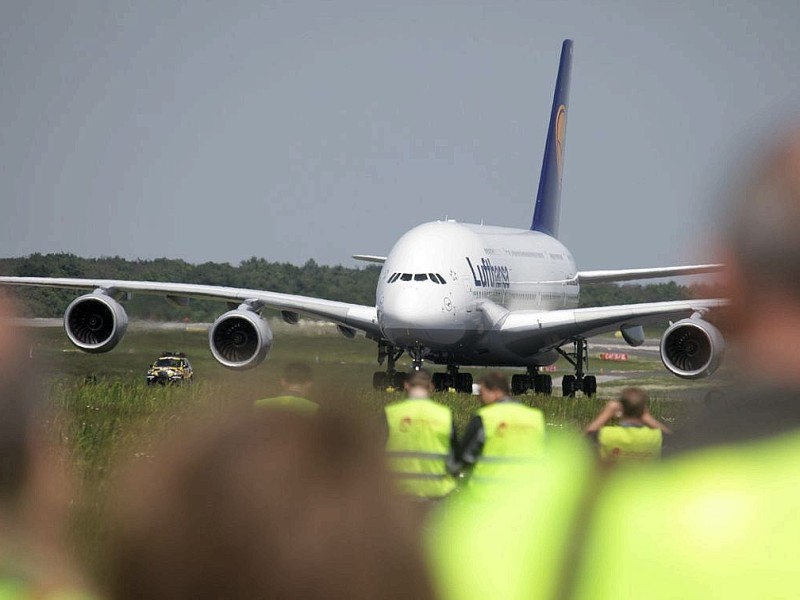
[
  {"x": 119, "y": 410},
  {"x": 106, "y": 412}
]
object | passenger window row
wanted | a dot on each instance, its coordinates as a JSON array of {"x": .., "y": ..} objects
[{"x": 434, "y": 277}]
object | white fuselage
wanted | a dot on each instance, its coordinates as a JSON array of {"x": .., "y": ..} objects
[{"x": 444, "y": 286}]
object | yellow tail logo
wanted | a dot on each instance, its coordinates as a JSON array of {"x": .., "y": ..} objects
[{"x": 561, "y": 133}]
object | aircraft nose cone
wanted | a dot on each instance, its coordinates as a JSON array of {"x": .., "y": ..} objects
[{"x": 416, "y": 318}]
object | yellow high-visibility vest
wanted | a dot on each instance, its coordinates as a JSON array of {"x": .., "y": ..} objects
[
  {"x": 515, "y": 436},
  {"x": 716, "y": 523},
  {"x": 626, "y": 444},
  {"x": 510, "y": 541},
  {"x": 418, "y": 447},
  {"x": 12, "y": 589},
  {"x": 293, "y": 403}
]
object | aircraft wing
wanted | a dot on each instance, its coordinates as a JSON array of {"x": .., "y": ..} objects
[
  {"x": 556, "y": 327},
  {"x": 370, "y": 258},
  {"x": 363, "y": 318},
  {"x": 608, "y": 276}
]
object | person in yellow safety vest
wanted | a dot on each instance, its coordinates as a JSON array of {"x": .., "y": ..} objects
[
  {"x": 510, "y": 541},
  {"x": 638, "y": 437},
  {"x": 297, "y": 381},
  {"x": 503, "y": 438},
  {"x": 421, "y": 440},
  {"x": 720, "y": 519}
]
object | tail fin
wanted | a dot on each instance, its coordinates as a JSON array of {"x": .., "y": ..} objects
[{"x": 548, "y": 201}]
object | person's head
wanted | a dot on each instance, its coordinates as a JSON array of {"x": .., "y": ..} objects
[
  {"x": 298, "y": 378},
  {"x": 493, "y": 387},
  {"x": 264, "y": 505},
  {"x": 21, "y": 407},
  {"x": 761, "y": 241},
  {"x": 634, "y": 402},
  {"x": 419, "y": 384},
  {"x": 35, "y": 488}
]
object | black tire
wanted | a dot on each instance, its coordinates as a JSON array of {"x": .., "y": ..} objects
[
  {"x": 439, "y": 381},
  {"x": 568, "y": 386},
  {"x": 399, "y": 380},
  {"x": 543, "y": 384},
  {"x": 519, "y": 384},
  {"x": 379, "y": 380},
  {"x": 465, "y": 383},
  {"x": 590, "y": 385}
]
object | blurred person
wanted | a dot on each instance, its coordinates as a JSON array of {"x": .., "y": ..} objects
[
  {"x": 264, "y": 505},
  {"x": 35, "y": 486},
  {"x": 421, "y": 441},
  {"x": 637, "y": 437},
  {"x": 513, "y": 541},
  {"x": 503, "y": 436},
  {"x": 720, "y": 519},
  {"x": 296, "y": 383}
]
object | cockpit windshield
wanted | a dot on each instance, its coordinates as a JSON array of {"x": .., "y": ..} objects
[{"x": 434, "y": 277}]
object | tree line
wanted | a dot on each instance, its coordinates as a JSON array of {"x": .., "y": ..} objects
[{"x": 356, "y": 285}]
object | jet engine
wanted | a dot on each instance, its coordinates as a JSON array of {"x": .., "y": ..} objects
[
  {"x": 692, "y": 348},
  {"x": 95, "y": 322},
  {"x": 240, "y": 339}
]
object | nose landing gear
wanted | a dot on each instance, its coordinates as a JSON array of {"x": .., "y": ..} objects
[{"x": 578, "y": 358}]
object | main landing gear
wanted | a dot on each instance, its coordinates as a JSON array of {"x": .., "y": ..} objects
[
  {"x": 461, "y": 382},
  {"x": 391, "y": 377},
  {"x": 578, "y": 358},
  {"x": 540, "y": 383}
]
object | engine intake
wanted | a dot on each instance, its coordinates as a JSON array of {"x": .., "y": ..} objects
[
  {"x": 95, "y": 322},
  {"x": 692, "y": 348},
  {"x": 240, "y": 339}
]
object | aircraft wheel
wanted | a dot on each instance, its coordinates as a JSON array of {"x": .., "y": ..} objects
[
  {"x": 464, "y": 383},
  {"x": 519, "y": 384},
  {"x": 568, "y": 386},
  {"x": 543, "y": 384},
  {"x": 398, "y": 380},
  {"x": 379, "y": 380},
  {"x": 590, "y": 385},
  {"x": 439, "y": 381}
]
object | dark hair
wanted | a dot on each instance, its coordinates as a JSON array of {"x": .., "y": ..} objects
[
  {"x": 298, "y": 373},
  {"x": 419, "y": 377},
  {"x": 762, "y": 223},
  {"x": 495, "y": 380},
  {"x": 634, "y": 402},
  {"x": 265, "y": 505}
]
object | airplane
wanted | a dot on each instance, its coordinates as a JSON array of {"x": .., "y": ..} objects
[{"x": 449, "y": 293}]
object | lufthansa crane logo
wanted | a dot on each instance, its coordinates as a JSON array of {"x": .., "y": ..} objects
[{"x": 561, "y": 133}]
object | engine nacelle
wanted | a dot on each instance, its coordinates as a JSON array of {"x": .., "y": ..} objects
[
  {"x": 692, "y": 348},
  {"x": 240, "y": 339},
  {"x": 95, "y": 322}
]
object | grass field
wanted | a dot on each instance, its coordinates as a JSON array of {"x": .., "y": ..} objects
[
  {"x": 107, "y": 412},
  {"x": 116, "y": 409}
]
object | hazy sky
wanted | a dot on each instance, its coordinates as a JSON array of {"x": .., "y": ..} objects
[{"x": 216, "y": 131}]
